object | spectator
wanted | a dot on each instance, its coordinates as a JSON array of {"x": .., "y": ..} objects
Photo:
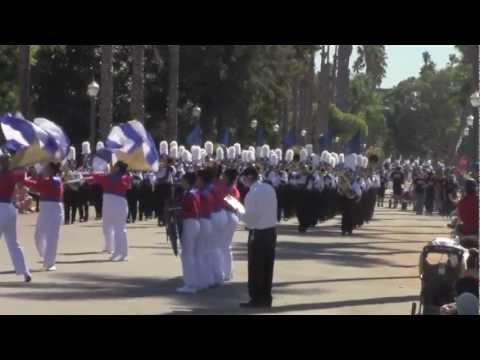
[
  {"x": 468, "y": 283},
  {"x": 467, "y": 209}
]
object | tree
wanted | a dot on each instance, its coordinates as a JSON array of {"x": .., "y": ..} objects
[
  {"x": 24, "y": 79},
  {"x": 173, "y": 81},
  {"x": 372, "y": 59},
  {"x": 137, "y": 109},
  {"x": 106, "y": 90},
  {"x": 343, "y": 76}
]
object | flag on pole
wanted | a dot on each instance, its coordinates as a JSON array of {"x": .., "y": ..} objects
[
  {"x": 260, "y": 141},
  {"x": 33, "y": 142},
  {"x": 354, "y": 145},
  {"x": 291, "y": 138},
  {"x": 225, "y": 138},
  {"x": 195, "y": 137},
  {"x": 131, "y": 143}
]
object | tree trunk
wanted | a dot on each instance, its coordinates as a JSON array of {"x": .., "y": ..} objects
[
  {"x": 295, "y": 105},
  {"x": 343, "y": 78},
  {"x": 137, "y": 105},
  {"x": 476, "y": 78},
  {"x": 24, "y": 79},
  {"x": 173, "y": 80},
  {"x": 106, "y": 91}
]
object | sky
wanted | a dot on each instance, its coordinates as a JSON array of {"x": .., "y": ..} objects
[{"x": 405, "y": 61}]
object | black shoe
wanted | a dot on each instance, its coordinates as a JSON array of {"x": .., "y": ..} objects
[
  {"x": 255, "y": 305},
  {"x": 28, "y": 278}
]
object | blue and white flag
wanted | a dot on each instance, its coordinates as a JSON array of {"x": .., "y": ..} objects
[
  {"x": 33, "y": 142},
  {"x": 131, "y": 143}
]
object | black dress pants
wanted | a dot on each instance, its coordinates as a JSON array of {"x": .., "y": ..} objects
[{"x": 261, "y": 260}]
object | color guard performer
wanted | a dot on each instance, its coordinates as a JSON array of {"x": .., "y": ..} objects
[{"x": 8, "y": 216}]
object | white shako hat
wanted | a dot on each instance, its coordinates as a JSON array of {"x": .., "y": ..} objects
[
  {"x": 163, "y": 148},
  {"x": 341, "y": 158},
  {"x": 209, "y": 148},
  {"x": 181, "y": 149},
  {"x": 186, "y": 156},
  {"x": 174, "y": 153},
  {"x": 265, "y": 153},
  {"x": 231, "y": 153},
  {"x": 273, "y": 159},
  {"x": 309, "y": 148},
  {"x": 303, "y": 155},
  {"x": 245, "y": 155},
  {"x": 350, "y": 162},
  {"x": 220, "y": 154},
  {"x": 258, "y": 152},
  {"x": 335, "y": 155},
  {"x": 251, "y": 156},
  {"x": 289, "y": 155},
  {"x": 86, "y": 148},
  {"x": 196, "y": 154},
  {"x": 100, "y": 146},
  {"x": 72, "y": 153},
  {"x": 324, "y": 156},
  {"x": 238, "y": 149},
  {"x": 279, "y": 153},
  {"x": 203, "y": 155}
]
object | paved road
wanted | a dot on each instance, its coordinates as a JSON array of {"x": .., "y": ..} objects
[{"x": 373, "y": 272}]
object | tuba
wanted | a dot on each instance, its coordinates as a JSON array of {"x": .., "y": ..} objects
[{"x": 345, "y": 185}]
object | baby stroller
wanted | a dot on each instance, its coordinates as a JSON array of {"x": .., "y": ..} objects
[{"x": 442, "y": 262}]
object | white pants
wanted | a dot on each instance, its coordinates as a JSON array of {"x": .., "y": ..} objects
[
  {"x": 219, "y": 221},
  {"x": 230, "y": 228},
  {"x": 190, "y": 232},
  {"x": 47, "y": 232},
  {"x": 203, "y": 255},
  {"x": 8, "y": 228},
  {"x": 115, "y": 212}
]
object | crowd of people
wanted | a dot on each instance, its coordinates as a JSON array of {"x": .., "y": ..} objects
[{"x": 312, "y": 187}]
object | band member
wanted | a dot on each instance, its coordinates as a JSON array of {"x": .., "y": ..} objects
[
  {"x": 219, "y": 222},
  {"x": 205, "y": 249},
  {"x": 190, "y": 231},
  {"x": 71, "y": 180},
  {"x": 8, "y": 216},
  {"x": 261, "y": 219},
  {"x": 398, "y": 179},
  {"x": 231, "y": 177},
  {"x": 163, "y": 189},
  {"x": 51, "y": 215},
  {"x": 133, "y": 195},
  {"x": 115, "y": 209}
]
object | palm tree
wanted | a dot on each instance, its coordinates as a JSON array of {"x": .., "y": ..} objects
[
  {"x": 106, "y": 90},
  {"x": 137, "y": 105},
  {"x": 343, "y": 75},
  {"x": 373, "y": 59},
  {"x": 173, "y": 79},
  {"x": 23, "y": 76}
]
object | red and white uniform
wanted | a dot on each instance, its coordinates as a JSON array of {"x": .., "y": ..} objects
[
  {"x": 190, "y": 231},
  {"x": 50, "y": 218},
  {"x": 8, "y": 219},
  {"x": 230, "y": 228},
  {"x": 115, "y": 212},
  {"x": 219, "y": 221},
  {"x": 203, "y": 250}
]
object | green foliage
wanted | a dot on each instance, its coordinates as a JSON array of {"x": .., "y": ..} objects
[{"x": 345, "y": 125}]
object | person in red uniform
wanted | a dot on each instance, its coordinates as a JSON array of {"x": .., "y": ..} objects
[
  {"x": 190, "y": 214},
  {"x": 467, "y": 209},
  {"x": 231, "y": 189},
  {"x": 219, "y": 222},
  {"x": 50, "y": 187},
  {"x": 205, "y": 249},
  {"x": 115, "y": 209},
  {"x": 8, "y": 216}
]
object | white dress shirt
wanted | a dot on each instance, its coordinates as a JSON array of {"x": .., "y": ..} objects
[{"x": 260, "y": 207}]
